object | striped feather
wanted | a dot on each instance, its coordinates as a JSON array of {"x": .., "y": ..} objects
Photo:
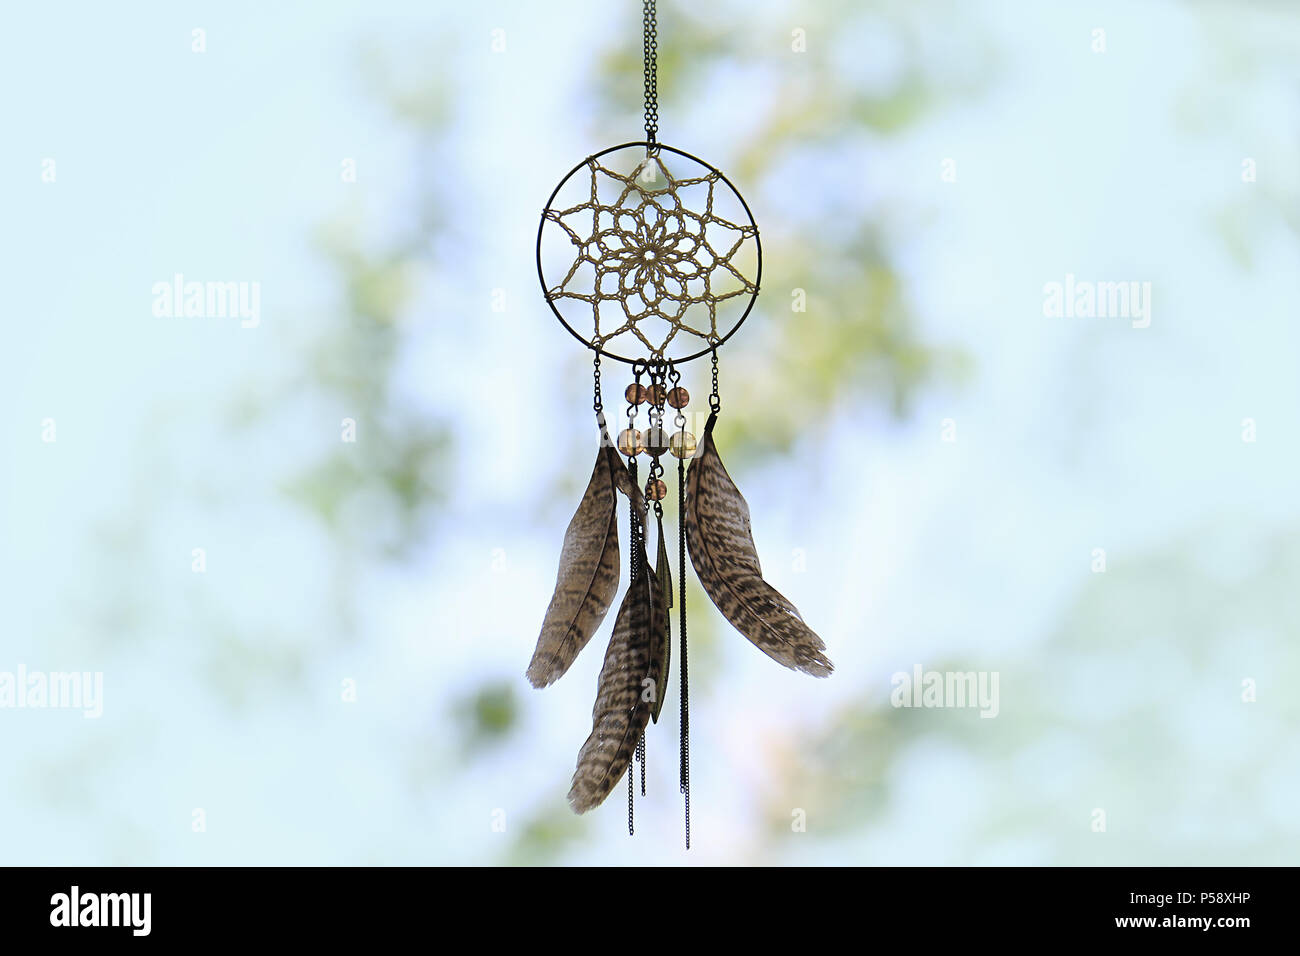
[
  {"x": 625, "y": 693},
  {"x": 726, "y": 561},
  {"x": 587, "y": 579}
]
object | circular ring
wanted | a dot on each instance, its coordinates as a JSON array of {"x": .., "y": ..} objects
[{"x": 597, "y": 342}]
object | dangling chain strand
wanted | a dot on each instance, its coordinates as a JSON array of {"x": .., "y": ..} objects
[
  {"x": 684, "y": 769},
  {"x": 658, "y": 389},
  {"x": 654, "y": 394},
  {"x": 651, "y": 43},
  {"x": 631, "y": 828},
  {"x": 715, "y": 400},
  {"x": 685, "y": 783},
  {"x": 634, "y": 529}
]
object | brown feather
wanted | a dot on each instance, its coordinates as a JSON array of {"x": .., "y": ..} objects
[
  {"x": 722, "y": 550},
  {"x": 588, "y": 576},
  {"x": 624, "y": 693},
  {"x": 663, "y": 642}
]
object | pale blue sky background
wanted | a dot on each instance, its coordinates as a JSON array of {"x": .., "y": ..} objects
[{"x": 1120, "y": 691}]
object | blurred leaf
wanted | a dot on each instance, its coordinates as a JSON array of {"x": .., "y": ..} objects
[{"x": 487, "y": 716}]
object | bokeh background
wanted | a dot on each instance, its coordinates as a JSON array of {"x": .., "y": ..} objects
[{"x": 931, "y": 461}]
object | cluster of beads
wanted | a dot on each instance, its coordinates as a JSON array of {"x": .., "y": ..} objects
[
  {"x": 654, "y": 441},
  {"x": 656, "y": 395}
]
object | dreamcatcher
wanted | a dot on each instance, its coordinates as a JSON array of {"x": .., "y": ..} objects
[{"x": 651, "y": 251}]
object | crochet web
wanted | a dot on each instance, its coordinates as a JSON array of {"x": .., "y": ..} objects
[{"x": 652, "y": 255}]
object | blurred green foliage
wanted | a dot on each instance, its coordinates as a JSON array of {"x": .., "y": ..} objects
[
  {"x": 352, "y": 362},
  {"x": 488, "y": 715}
]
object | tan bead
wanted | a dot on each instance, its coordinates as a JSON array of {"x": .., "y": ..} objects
[
  {"x": 655, "y": 440},
  {"x": 678, "y": 397},
  {"x": 635, "y": 394},
  {"x": 629, "y": 442},
  {"x": 657, "y": 490},
  {"x": 682, "y": 444},
  {"x": 655, "y": 395}
]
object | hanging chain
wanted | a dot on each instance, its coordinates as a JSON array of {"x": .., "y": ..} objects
[
  {"x": 674, "y": 380},
  {"x": 635, "y": 538},
  {"x": 651, "y": 43},
  {"x": 684, "y": 782},
  {"x": 635, "y": 524},
  {"x": 684, "y": 767},
  {"x": 657, "y": 392},
  {"x": 632, "y": 404},
  {"x": 631, "y": 828},
  {"x": 597, "y": 404},
  {"x": 715, "y": 401}
]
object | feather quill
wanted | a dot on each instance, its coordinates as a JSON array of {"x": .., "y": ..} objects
[
  {"x": 587, "y": 579},
  {"x": 625, "y": 693},
  {"x": 723, "y": 553}
]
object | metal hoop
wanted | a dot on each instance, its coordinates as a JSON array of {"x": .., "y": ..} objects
[{"x": 599, "y": 349}]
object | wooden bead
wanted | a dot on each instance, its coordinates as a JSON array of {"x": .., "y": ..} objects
[
  {"x": 655, "y": 395},
  {"x": 629, "y": 442},
  {"x": 657, "y": 490},
  {"x": 655, "y": 440},
  {"x": 678, "y": 397},
  {"x": 635, "y": 394},
  {"x": 682, "y": 444}
]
